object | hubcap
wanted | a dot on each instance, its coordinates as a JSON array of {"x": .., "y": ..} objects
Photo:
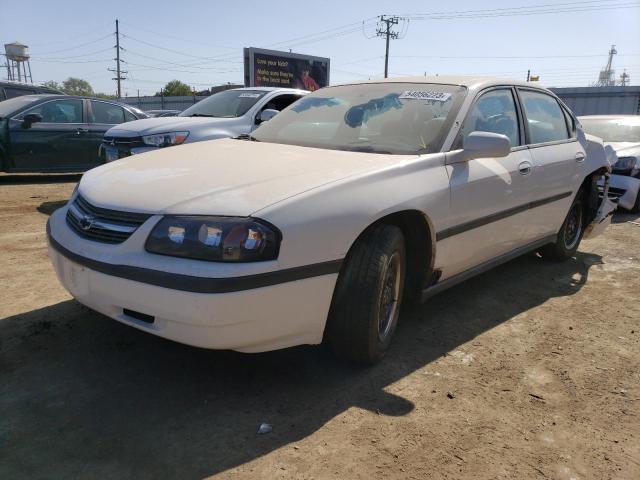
[
  {"x": 573, "y": 228},
  {"x": 389, "y": 297}
]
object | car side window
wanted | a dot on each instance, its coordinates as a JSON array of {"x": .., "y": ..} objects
[
  {"x": 109, "y": 113},
  {"x": 495, "y": 112},
  {"x": 571, "y": 123},
  {"x": 545, "y": 119},
  {"x": 11, "y": 92},
  {"x": 128, "y": 116},
  {"x": 281, "y": 102},
  {"x": 59, "y": 111}
]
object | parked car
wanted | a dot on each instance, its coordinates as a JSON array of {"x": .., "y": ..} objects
[
  {"x": 328, "y": 216},
  {"x": 622, "y": 133},
  {"x": 16, "y": 89},
  {"x": 48, "y": 133},
  {"x": 162, "y": 113},
  {"x": 230, "y": 113}
]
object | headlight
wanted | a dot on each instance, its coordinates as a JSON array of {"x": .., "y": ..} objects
[
  {"x": 625, "y": 163},
  {"x": 165, "y": 139},
  {"x": 216, "y": 239}
]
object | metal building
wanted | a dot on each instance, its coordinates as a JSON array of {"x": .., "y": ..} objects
[{"x": 601, "y": 100}]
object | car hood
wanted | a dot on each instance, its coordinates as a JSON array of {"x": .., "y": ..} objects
[
  {"x": 150, "y": 126},
  {"x": 221, "y": 177},
  {"x": 625, "y": 149}
]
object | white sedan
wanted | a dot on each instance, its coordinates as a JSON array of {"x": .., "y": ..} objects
[{"x": 318, "y": 226}]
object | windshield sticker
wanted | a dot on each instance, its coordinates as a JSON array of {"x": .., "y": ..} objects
[
  {"x": 249, "y": 95},
  {"x": 425, "y": 95}
]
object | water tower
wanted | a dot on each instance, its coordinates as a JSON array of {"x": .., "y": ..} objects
[{"x": 18, "y": 66}]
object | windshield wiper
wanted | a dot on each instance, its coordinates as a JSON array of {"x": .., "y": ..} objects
[
  {"x": 246, "y": 136},
  {"x": 364, "y": 149}
]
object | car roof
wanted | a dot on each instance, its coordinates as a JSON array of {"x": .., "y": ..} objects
[
  {"x": 53, "y": 96},
  {"x": 605, "y": 117},
  {"x": 472, "y": 82},
  {"x": 271, "y": 89}
]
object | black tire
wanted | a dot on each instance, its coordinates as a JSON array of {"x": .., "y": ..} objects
[
  {"x": 371, "y": 279},
  {"x": 570, "y": 234}
]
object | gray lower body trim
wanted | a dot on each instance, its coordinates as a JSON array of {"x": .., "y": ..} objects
[
  {"x": 494, "y": 217},
  {"x": 472, "y": 272}
]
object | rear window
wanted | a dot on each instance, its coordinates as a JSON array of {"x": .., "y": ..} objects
[
  {"x": 11, "y": 92},
  {"x": 545, "y": 118}
]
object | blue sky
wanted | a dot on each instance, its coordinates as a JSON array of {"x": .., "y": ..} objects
[{"x": 200, "y": 42}]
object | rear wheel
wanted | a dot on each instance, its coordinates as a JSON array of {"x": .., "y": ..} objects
[
  {"x": 570, "y": 234},
  {"x": 366, "y": 303}
]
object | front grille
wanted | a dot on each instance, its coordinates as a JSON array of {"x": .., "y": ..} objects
[
  {"x": 101, "y": 224},
  {"x": 613, "y": 192},
  {"x": 128, "y": 141}
]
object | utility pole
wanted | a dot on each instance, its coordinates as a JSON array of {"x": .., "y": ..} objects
[
  {"x": 385, "y": 31},
  {"x": 528, "y": 75},
  {"x": 118, "y": 71}
]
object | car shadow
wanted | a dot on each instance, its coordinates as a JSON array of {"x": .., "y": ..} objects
[
  {"x": 25, "y": 178},
  {"x": 49, "y": 207},
  {"x": 622, "y": 216},
  {"x": 83, "y": 395}
]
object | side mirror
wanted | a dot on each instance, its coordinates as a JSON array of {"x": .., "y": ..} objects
[
  {"x": 31, "y": 118},
  {"x": 267, "y": 114},
  {"x": 482, "y": 145}
]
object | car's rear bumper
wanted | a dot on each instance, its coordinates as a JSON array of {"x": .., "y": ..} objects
[{"x": 247, "y": 317}]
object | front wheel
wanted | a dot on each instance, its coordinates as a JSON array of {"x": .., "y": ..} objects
[
  {"x": 570, "y": 234},
  {"x": 366, "y": 303}
]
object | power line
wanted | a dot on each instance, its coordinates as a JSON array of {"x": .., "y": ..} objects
[{"x": 77, "y": 46}]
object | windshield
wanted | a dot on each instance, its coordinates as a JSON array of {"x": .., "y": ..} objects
[
  {"x": 8, "y": 107},
  {"x": 621, "y": 129},
  {"x": 227, "y": 104},
  {"x": 397, "y": 118}
]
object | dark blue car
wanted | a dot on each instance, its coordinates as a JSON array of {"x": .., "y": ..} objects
[{"x": 57, "y": 133}]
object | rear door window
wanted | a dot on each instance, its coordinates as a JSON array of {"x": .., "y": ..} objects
[
  {"x": 108, "y": 113},
  {"x": 545, "y": 119}
]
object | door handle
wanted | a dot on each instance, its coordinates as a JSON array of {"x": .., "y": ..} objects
[
  {"x": 524, "y": 168},
  {"x": 579, "y": 157},
  {"x": 80, "y": 131}
]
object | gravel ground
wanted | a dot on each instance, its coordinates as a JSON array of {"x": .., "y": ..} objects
[{"x": 529, "y": 371}]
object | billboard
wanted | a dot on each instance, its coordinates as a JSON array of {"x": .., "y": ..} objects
[{"x": 271, "y": 68}]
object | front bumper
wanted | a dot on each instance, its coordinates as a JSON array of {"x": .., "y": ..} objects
[
  {"x": 625, "y": 189},
  {"x": 256, "y": 319}
]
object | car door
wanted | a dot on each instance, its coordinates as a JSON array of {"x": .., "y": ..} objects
[
  {"x": 557, "y": 156},
  {"x": 102, "y": 116},
  {"x": 58, "y": 142},
  {"x": 489, "y": 196}
]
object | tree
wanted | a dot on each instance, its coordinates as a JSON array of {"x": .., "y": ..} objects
[
  {"x": 77, "y": 86},
  {"x": 53, "y": 84},
  {"x": 175, "y": 88}
]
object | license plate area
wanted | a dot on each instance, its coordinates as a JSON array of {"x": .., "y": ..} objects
[{"x": 111, "y": 154}]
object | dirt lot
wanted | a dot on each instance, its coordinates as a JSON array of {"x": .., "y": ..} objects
[{"x": 541, "y": 361}]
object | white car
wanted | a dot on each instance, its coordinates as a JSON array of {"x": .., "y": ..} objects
[
  {"x": 622, "y": 134},
  {"x": 320, "y": 224}
]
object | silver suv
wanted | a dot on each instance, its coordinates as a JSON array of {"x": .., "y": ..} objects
[{"x": 230, "y": 113}]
